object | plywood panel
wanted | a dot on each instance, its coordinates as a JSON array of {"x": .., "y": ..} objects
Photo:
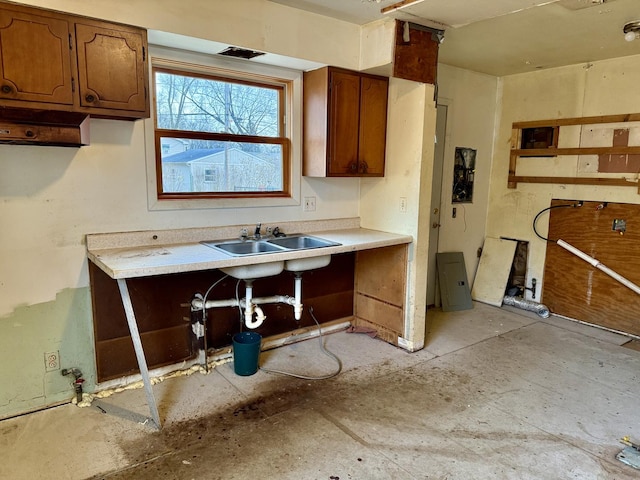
[
  {"x": 381, "y": 273},
  {"x": 379, "y": 313},
  {"x": 493, "y": 270},
  {"x": 416, "y": 59},
  {"x": 574, "y": 288},
  {"x": 385, "y": 334}
]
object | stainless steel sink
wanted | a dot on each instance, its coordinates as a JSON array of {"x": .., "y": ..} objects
[
  {"x": 247, "y": 247},
  {"x": 302, "y": 242},
  {"x": 237, "y": 248}
]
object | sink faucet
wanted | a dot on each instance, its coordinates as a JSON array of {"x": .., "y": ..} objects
[{"x": 256, "y": 234}]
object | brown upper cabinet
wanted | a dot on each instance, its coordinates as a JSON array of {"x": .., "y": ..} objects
[
  {"x": 345, "y": 123},
  {"x": 58, "y": 62}
]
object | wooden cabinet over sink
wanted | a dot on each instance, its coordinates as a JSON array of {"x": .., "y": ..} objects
[
  {"x": 345, "y": 123},
  {"x": 53, "y": 61}
]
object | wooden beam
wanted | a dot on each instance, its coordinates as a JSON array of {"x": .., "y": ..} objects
[
  {"x": 558, "y": 122},
  {"x": 608, "y": 182},
  {"x": 553, "y": 152},
  {"x": 399, "y": 5}
]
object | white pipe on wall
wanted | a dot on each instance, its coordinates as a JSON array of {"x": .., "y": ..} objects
[{"x": 596, "y": 263}]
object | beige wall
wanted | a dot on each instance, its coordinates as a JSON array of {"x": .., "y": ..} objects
[
  {"x": 408, "y": 170},
  {"x": 255, "y": 24},
  {"x": 471, "y": 99},
  {"x": 51, "y": 197},
  {"x": 607, "y": 87}
]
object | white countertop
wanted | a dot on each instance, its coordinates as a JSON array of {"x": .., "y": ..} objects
[{"x": 147, "y": 260}]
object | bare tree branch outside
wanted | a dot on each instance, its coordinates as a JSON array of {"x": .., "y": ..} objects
[{"x": 218, "y": 135}]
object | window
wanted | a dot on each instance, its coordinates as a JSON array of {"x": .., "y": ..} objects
[{"x": 220, "y": 135}]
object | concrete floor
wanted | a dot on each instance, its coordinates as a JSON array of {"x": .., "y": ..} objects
[{"x": 497, "y": 394}]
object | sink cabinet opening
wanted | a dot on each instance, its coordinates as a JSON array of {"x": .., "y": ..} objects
[{"x": 162, "y": 310}]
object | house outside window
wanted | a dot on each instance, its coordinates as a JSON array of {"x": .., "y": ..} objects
[{"x": 222, "y": 135}]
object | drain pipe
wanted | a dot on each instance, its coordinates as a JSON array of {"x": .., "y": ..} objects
[
  {"x": 197, "y": 303},
  {"x": 297, "y": 289},
  {"x": 251, "y": 305}
]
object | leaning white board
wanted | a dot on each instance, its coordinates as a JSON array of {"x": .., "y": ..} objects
[{"x": 493, "y": 270}]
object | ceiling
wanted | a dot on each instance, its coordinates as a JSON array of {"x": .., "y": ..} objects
[{"x": 504, "y": 37}]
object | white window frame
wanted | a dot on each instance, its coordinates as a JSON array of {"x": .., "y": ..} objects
[{"x": 216, "y": 65}]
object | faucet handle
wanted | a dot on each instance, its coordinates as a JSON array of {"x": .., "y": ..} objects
[{"x": 244, "y": 233}]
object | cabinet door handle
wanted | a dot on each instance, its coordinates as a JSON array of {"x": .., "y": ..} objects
[
  {"x": 364, "y": 167},
  {"x": 29, "y": 133},
  {"x": 90, "y": 98},
  {"x": 6, "y": 89},
  {"x": 353, "y": 167}
]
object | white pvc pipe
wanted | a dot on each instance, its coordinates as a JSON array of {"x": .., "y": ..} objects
[
  {"x": 596, "y": 263},
  {"x": 248, "y": 318},
  {"x": 250, "y": 304},
  {"x": 297, "y": 288},
  {"x": 249, "y": 308},
  {"x": 232, "y": 302}
]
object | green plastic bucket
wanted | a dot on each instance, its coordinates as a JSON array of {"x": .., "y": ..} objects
[{"x": 246, "y": 351}]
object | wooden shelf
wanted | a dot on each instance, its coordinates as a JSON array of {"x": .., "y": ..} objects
[
  {"x": 608, "y": 182},
  {"x": 554, "y": 152},
  {"x": 563, "y": 122},
  {"x": 518, "y": 152}
]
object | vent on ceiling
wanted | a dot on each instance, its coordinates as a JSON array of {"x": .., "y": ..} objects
[{"x": 240, "y": 53}]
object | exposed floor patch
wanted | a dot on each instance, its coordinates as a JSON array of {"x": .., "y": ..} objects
[{"x": 522, "y": 400}]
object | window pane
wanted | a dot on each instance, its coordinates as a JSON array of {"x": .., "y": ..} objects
[
  {"x": 216, "y": 106},
  {"x": 215, "y": 166}
]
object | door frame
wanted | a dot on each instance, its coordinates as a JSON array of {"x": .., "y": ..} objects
[{"x": 437, "y": 187}]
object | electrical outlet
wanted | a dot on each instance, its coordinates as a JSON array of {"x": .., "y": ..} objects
[
  {"x": 403, "y": 204},
  {"x": 51, "y": 361},
  {"x": 309, "y": 204}
]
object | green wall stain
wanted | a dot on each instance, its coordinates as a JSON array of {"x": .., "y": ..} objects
[{"x": 63, "y": 325}]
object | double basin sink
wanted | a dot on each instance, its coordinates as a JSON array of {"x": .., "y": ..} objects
[{"x": 244, "y": 248}]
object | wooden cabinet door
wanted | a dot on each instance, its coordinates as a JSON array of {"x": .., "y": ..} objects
[
  {"x": 35, "y": 58},
  {"x": 373, "y": 126},
  {"x": 344, "y": 116},
  {"x": 112, "y": 67}
]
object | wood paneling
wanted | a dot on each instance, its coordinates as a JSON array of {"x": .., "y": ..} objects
[
  {"x": 574, "y": 288},
  {"x": 380, "y": 290},
  {"x": 416, "y": 59},
  {"x": 389, "y": 263}
]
